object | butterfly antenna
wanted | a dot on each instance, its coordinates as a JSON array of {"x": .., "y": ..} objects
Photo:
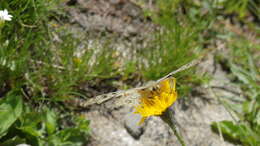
[{"x": 182, "y": 68}]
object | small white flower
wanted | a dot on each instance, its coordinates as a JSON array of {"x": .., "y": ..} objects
[
  {"x": 4, "y": 16},
  {"x": 23, "y": 144}
]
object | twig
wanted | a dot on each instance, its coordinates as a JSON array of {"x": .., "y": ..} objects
[
  {"x": 29, "y": 26},
  {"x": 53, "y": 65}
]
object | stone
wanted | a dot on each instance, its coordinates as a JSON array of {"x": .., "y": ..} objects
[{"x": 131, "y": 123}]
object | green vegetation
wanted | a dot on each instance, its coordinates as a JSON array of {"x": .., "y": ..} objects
[
  {"x": 43, "y": 64},
  {"x": 240, "y": 8},
  {"x": 31, "y": 85},
  {"x": 21, "y": 124},
  {"x": 245, "y": 128},
  {"x": 179, "y": 41}
]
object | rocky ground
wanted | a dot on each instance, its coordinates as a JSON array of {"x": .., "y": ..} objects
[{"x": 118, "y": 127}]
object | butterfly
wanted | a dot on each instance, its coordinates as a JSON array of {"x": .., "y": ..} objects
[{"x": 131, "y": 97}]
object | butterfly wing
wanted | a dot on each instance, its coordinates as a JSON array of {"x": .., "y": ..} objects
[
  {"x": 125, "y": 97},
  {"x": 128, "y": 98},
  {"x": 131, "y": 97}
]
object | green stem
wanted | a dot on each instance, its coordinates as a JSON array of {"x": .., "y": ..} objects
[{"x": 167, "y": 117}]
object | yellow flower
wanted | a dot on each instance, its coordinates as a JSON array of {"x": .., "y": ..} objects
[
  {"x": 77, "y": 60},
  {"x": 155, "y": 102}
]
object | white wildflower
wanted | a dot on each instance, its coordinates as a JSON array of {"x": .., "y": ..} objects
[
  {"x": 4, "y": 16},
  {"x": 23, "y": 144}
]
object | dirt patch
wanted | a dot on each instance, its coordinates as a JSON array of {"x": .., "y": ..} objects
[{"x": 122, "y": 17}]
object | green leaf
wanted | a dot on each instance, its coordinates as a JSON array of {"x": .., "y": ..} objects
[
  {"x": 32, "y": 131},
  {"x": 253, "y": 70},
  {"x": 78, "y": 134},
  {"x": 248, "y": 106},
  {"x": 74, "y": 135},
  {"x": 236, "y": 133},
  {"x": 242, "y": 74},
  {"x": 10, "y": 109},
  {"x": 82, "y": 123},
  {"x": 229, "y": 130},
  {"x": 31, "y": 119},
  {"x": 13, "y": 141},
  {"x": 257, "y": 119},
  {"x": 31, "y": 124},
  {"x": 50, "y": 121}
]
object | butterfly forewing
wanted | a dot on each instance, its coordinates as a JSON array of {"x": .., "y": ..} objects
[{"x": 129, "y": 98}]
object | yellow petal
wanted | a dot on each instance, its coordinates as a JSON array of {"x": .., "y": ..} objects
[{"x": 168, "y": 85}]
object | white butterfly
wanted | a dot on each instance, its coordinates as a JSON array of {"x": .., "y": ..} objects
[{"x": 131, "y": 97}]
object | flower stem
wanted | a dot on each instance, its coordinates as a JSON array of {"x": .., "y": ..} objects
[{"x": 168, "y": 118}]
